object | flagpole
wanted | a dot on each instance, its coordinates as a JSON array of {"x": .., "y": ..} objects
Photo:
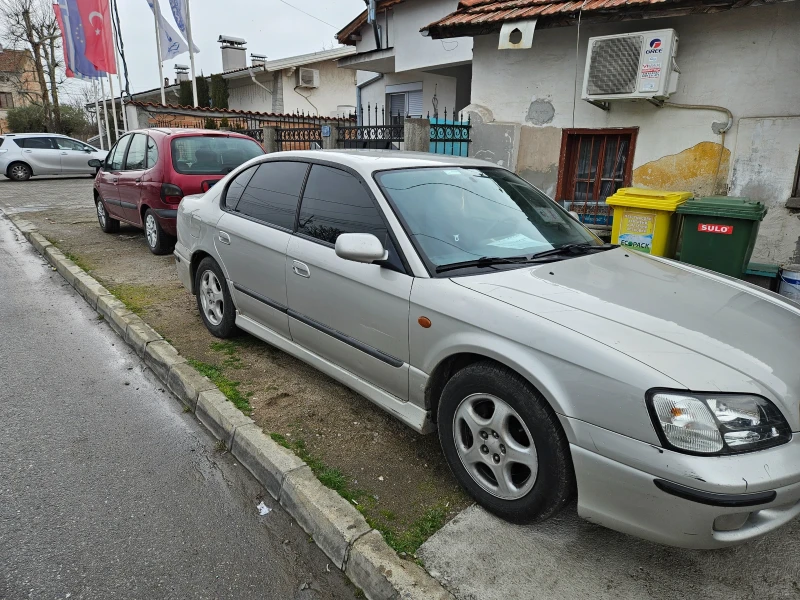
[
  {"x": 97, "y": 113},
  {"x": 113, "y": 106},
  {"x": 105, "y": 112},
  {"x": 156, "y": 13},
  {"x": 191, "y": 51},
  {"x": 119, "y": 75}
]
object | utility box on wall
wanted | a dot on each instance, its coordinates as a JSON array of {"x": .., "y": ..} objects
[{"x": 631, "y": 66}]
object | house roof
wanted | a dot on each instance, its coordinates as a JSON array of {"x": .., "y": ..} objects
[
  {"x": 293, "y": 61},
  {"x": 353, "y": 26},
  {"x": 478, "y": 17},
  {"x": 211, "y": 111},
  {"x": 11, "y": 60}
]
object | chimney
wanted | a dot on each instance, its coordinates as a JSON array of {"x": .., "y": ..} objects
[
  {"x": 234, "y": 53},
  {"x": 257, "y": 60},
  {"x": 181, "y": 73}
]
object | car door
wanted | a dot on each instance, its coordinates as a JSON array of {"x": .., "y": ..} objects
[
  {"x": 251, "y": 238},
  {"x": 129, "y": 186},
  {"x": 42, "y": 154},
  {"x": 75, "y": 156},
  {"x": 353, "y": 314},
  {"x": 107, "y": 179}
]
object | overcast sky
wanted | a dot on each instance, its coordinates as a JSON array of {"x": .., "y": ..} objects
[{"x": 269, "y": 26}]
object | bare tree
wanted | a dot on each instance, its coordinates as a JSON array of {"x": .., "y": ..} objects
[{"x": 32, "y": 24}]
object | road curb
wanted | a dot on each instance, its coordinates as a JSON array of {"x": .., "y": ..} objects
[{"x": 335, "y": 525}]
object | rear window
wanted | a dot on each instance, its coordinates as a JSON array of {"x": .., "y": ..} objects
[{"x": 211, "y": 155}]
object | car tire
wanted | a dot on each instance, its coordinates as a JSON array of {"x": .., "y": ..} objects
[
  {"x": 538, "y": 478},
  {"x": 19, "y": 171},
  {"x": 214, "y": 300},
  {"x": 107, "y": 223},
  {"x": 157, "y": 239}
]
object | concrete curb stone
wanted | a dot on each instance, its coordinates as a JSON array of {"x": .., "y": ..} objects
[
  {"x": 268, "y": 461},
  {"x": 187, "y": 383},
  {"x": 322, "y": 513},
  {"x": 161, "y": 356},
  {"x": 139, "y": 334},
  {"x": 219, "y": 415},
  {"x": 376, "y": 569},
  {"x": 336, "y": 526}
]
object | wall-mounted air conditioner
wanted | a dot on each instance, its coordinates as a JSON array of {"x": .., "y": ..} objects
[
  {"x": 307, "y": 78},
  {"x": 631, "y": 66}
]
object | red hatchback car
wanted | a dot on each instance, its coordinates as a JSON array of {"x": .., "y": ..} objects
[{"x": 148, "y": 171}]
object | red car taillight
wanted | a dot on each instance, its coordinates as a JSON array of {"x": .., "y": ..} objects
[{"x": 171, "y": 194}]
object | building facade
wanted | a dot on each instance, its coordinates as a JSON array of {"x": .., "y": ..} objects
[
  {"x": 737, "y": 131},
  {"x": 17, "y": 82}
]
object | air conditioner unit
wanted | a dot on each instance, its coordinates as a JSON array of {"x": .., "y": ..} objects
[
  {"x": 308, "y": 78},
  {"x": 631, "y": 66}
]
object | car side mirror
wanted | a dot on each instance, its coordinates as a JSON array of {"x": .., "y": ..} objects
[
  {"x": 360, "y": 247},
  {"x": 96, "y": 163}
]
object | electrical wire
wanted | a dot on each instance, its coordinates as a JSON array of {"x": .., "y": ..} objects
[
  {"x": 577, "y": 58},
  {"x": 308, "y": 14}
]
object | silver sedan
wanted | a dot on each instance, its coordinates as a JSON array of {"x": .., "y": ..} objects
[{"x": 460, "y": 299}]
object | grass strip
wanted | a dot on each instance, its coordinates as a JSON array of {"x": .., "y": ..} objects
[{"x": 227, "y": 386}]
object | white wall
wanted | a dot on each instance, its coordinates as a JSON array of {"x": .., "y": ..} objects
[
  {"x": 243, "y": 94},
  {"x": 336, "y": 87},
  {"x": 744, "y": 59},
  {"x": 412, "y": 50},
  {"x": 443, "y": 87}
]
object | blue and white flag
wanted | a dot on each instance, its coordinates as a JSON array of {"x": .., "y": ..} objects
[
  {"x": 172, "y": 43},
  {"x": 179, "y": 10},
  {"x": 74, "y": 41}
]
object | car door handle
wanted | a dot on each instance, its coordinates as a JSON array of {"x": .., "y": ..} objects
[
  {"x": 28, "y": 151},
  {"x": 115, "y": 180},
  {"x": 138, "y": 181},
  {"x": 223, "y": 237},
  {"x": 64, "y": 153},
  {"x": 300, "y": 269}
]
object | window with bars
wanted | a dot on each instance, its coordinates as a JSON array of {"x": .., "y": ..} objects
[
  {"x": 595, "y": 164},
  {"x": 6, "y": 100}
]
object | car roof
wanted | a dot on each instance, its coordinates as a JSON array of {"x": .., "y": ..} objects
[
  {"x": 369, "y": 161},
  {"x": 184, "y": 131},
  {"x": 34, "y": 135}
]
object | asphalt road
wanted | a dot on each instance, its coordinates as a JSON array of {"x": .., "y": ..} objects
[{"x": 109, "y": 490}]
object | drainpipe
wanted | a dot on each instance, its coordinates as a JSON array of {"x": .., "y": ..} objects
[
  {"x": 358, "y": 93},
  {"x": 253, "y": 77}
]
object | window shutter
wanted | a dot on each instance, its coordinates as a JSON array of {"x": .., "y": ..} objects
[
  {"x": 415, "y": 103},
  {"x": 397, "y": 105}
]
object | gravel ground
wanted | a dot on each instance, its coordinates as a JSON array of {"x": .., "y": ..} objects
[{"x": 397, "y": 477}]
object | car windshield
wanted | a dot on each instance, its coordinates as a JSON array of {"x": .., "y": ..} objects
[
  {"x": 212, "y": 155},
  {"x": 461, "y": 214}
]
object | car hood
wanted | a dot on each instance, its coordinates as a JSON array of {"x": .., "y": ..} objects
[{"x": 706, "y": 331}]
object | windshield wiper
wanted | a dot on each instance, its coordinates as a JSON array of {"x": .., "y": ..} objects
[
  {"x": 483, "y": 261},
  {"x": 573, "y": 249}
]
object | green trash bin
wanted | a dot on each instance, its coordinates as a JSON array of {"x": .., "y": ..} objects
[{"x": 719, "y": 233}]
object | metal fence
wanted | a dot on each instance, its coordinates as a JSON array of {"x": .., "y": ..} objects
[
  {"x": 450, "y": 136},
  {"x": 371, "y": 130},
  {"x": 300, "y": 132},
  {"x": 246, "y": 125}
]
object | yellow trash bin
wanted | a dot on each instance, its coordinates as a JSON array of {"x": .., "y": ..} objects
[{"x": 645, "y": 220}]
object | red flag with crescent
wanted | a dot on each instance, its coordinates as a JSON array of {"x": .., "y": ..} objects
[{"x": 97, "y": 27}]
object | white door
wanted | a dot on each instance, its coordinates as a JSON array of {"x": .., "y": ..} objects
[
  {"x": 42, "y": 154},
  {"x": 252, "y": 236},
  {"x": 75, "y": 156},
  {"x": 353, "y": 314}
]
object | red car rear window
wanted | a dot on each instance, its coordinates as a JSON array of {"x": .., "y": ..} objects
[{"x": 211, "y": 155}]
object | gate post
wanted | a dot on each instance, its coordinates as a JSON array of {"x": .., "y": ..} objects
[
  {"x": 270, "y": 139},
  {"x": 417, "y": 135},
  {"x": 329, "y": 142}
]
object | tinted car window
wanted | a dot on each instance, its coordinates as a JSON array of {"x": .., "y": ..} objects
[
  {"x": 272, "y": 193},
  {"x": 237, "y": 186},
  {"x": 335, "y": 202},
  {"x": 152, "y": 152},
  {"x": 114, "y": 159},
  {"x": 42, "y": 143},
  {"x": 136, "y": 152},
  {"x": 212, "y": 155}
]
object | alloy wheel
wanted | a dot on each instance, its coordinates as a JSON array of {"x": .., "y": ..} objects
[
  {"x": 101, "y": 213},
  {"x": 212, "y": 298},
  {"x": 495, "y": 446},
  {"x": 151, "y": 230},
  {"x": 19, "y": 172}
]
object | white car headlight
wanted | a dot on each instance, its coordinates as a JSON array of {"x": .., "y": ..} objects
[{"x": 709, "y": 423}]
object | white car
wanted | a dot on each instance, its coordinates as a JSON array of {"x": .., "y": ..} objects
[{"x": 23, "y": 155}]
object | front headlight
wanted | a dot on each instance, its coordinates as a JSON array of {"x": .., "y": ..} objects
[{"x": 716, "y": 424}]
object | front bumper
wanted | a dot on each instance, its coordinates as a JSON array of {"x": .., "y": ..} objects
[{"x": 675, "y": 499}]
